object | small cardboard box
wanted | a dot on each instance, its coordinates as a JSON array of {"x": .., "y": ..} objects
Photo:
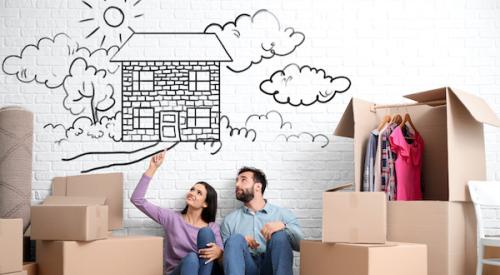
[
  {"x": 317, "y": 258},
  {"x": 451, "y": 123},
  {"x": 108, "y": 185},
  {"x": 116, "y": 255},
  {"x": 30, "y": 268},
  {"x": 70, "y": 219},
  {"x": 447, "y": 228},
  {"x": 11, "y": 245},
  {"x": 354, "y": 217}
]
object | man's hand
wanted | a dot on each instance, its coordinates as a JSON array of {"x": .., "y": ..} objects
[
  {"x": 269, "y": 229},
  {"x": 211, "y": 253},
  {"x": 252, "y": 243}
]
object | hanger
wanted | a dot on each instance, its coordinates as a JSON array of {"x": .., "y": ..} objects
[
  {"x": 397, "y": 119},
  {"x": 407, "y": 119},
  {"x": 385, "y": 120}
]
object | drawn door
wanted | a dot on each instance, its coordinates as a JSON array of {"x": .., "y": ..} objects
[{"x": 169, "y": 126}]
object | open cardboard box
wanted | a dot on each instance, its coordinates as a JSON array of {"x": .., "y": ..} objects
[
  {"x": 354, "y": 217},
  {"x": 109, "y": 186},
  {"x": 70, "y": 219},
  {"x": 451, "y": 123}
]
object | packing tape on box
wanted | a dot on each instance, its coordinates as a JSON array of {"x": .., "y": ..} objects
[
  {"x": 353, "y": 202},
  {"x": 354, "y": 234}
]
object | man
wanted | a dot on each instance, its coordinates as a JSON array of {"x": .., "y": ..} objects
[{"x": 258, "y": 237}]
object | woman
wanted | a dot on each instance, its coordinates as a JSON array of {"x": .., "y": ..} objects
[{"x": 193, "y": 237}]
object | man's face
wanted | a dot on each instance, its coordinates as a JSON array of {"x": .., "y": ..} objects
[{"x": 245, "y": 187}]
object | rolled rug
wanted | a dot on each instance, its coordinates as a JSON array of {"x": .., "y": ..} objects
[{"x": 16, "y": 151}]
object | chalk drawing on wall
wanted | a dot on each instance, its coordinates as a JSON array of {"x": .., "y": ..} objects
[
  {"x": 303, "y": 86},
  {"x": 110, "y": 19},
  {"x": 305, "y": 136},
  {"x": 261, "y": 35},
  {"x": 171, "y": 93}
]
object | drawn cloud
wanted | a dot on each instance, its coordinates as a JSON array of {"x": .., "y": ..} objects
[
  {"x": 250, "y": 39},
  {"x": 305, "y": 137},
  {"x": 48, "y": 61},
  {"x": 303, "y": 86}
]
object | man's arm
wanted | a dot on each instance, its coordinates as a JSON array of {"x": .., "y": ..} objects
[{"x": 292, "y": 228}]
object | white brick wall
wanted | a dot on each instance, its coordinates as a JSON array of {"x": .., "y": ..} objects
[{"x": 387, "y": 49}]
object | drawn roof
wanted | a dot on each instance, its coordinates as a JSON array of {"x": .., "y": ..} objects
[{"x": 172, "y": 47}]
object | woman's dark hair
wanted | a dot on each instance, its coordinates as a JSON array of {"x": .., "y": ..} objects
[{"x": 208, "y": 213}]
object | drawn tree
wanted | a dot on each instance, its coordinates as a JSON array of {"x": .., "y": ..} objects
[{"x": 87, "y": 90}]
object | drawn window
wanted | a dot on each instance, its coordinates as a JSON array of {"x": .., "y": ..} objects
[
  {"x": 142, "y": 81},
  {"x": 199, "y": 118},
  {"x": 144, "y": 118},
  {"x": 199, "y": 81}
]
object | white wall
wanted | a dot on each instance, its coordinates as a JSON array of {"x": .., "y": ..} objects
[{"x": 386, "y": 48}]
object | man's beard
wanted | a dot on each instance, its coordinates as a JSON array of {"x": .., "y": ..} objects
[{"x": 245, "y": 196}]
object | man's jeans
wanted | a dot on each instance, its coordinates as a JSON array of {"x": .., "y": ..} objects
[
  {"x": 277, "y": 260},
  {"x": 191, "y": 264}
]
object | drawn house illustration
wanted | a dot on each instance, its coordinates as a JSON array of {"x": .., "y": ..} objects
[{"x": 171, "y": 86}]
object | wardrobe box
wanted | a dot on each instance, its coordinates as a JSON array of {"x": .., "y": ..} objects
[
  {"x": 317, "y": 258},
  {"x": 447, "y": 228},
  {"x": 108, "y": 185},
  {"x": 451, "y": 123},
  {"x": 131, "y": 255},
  {"x": 11, "y": 245},
  {"x": 30, "y": 268},
  {"x": 70, "y": 219},
  {"x": 354, "y": 217}
]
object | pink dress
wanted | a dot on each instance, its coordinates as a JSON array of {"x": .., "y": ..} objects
[{"x": 408, "y": 165}]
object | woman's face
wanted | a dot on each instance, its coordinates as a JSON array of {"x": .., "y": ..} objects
[{"x": 196, "y": 196}]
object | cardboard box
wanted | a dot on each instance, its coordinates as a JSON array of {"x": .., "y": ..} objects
[
  {"x": 447, "y": 228},
  {"x": 354, "y": 217},
  {"x": 30, "y": 268},
  {"x": 450, "y": 122},
  {"x": 317, "y": 258},
  {"x": 70, "y": 219},
  {"x": 116, "y": 255},
  {"x": 108, "y": 185},
  {"x": 11, "y": 245},
  {"x": 491, "y": 252}
]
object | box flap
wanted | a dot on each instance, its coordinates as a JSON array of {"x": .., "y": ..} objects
[
  {"x": 64, "y": 200},
  {"x": 340, "y": 187},
  {"x": 435, "y": 97},
  {"x": 345, "y": 128},
  {"x": 477, "y": 107}
]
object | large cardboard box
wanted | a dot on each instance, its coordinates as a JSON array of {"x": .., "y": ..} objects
[
  {"x": 447, "y": 228},
  {"x": 451, "y": 123},
  {"x": 354, "y": 217},
  {"x": 108, "y": 185},
  {"x": 31, "y": 268},
  {"x": 11, "y": 245},
  {"x": 70, "y": 219},
  {"x": 116, "y": 255},
  {"x": 317, "y": 258}
]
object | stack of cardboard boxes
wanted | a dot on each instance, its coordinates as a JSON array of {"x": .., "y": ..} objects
[
  {"x": 354, "y": 240},
  {"x": 73, "y": 233},
  {"x": 451, "y": 124}
]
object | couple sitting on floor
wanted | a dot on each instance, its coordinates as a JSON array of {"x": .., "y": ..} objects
[{"x": 257, "y": 238}]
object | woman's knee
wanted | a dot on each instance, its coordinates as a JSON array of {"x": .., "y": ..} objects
[{"x": 205, "y": 236}]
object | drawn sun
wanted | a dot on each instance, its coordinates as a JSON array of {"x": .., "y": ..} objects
[{"x": 111, "y": 18}]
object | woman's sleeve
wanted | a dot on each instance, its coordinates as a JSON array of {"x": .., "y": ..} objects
[
  {"x": 158, "y": 214},
  {"x": 218, "y": 238}
]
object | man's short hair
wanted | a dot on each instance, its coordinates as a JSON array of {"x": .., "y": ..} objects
[{"x": 258, "y": 176}]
